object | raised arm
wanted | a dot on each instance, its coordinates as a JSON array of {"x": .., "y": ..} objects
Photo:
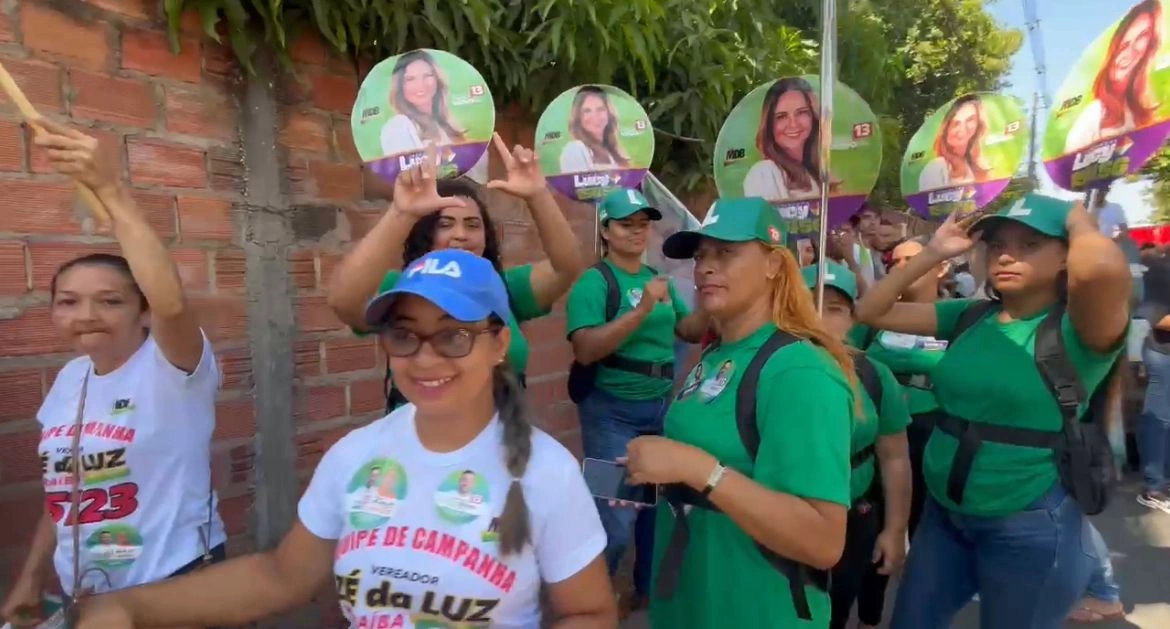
[
  {"x": 880, "y": 307},
  {"x": 552, "y": 277},
  {"x": 173, "y": 324},
  {"x": 592, "y": 337},
  {"x": 232, "y": 593},
  {"x": 357, "y": 278},
  {"x": 1099, "y": 283}
]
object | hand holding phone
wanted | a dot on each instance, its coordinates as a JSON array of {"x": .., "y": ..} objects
[{"x": 607, "y": 480}]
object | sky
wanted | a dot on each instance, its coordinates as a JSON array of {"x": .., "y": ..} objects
[{"x": 1067, "y": 28}]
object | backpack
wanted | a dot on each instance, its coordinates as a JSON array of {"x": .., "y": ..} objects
[
  {"x": 799, "y": 575},
  {"x": 871, "y": 382},
  {"x": 582, "y": 377},
  {"x": 1081, "y": 448}
]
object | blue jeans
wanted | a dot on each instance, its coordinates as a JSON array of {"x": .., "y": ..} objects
[
  {"x": 1102, "y": 585},
  {"x": 1154, "y": 435},
  {"x": 1029, "y": 568},
  {"x": 608, "y": 424}
]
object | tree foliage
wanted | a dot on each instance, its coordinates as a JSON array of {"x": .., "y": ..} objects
[
  {"x": 1157, "y": 170},
  {"x": 687, "y": 61}
]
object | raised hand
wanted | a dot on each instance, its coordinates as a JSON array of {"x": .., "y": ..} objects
[
  {"x": 952, "y": 238},
  {"x": 523, "y": 179},
  {"x": 74, "y": 153},
  {"x": 656, "y": 290},
  {"x": 415, "y": 190}
]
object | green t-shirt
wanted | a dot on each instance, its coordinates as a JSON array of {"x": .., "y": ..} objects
[
  {"x": 989, "y": 375},
  {"x": 907, "y": 355},
  {"x": 652, "y": 342},
  {"x": 518, "y": 279},
  {"x": 893, "y": 418},
  {"x": 805, "y": 415}
]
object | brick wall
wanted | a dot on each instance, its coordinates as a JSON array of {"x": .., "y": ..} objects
[{"x": 173, "y": 123}]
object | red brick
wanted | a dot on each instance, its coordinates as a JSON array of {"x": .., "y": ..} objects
[
  {"x": 11, "y": 147},
  {"x": 308, "y": 49},
  {"x": 205, "y": 218},
  {"x": 222, "y": 316},
  {"x": 361, "y": 222},
  {"x": 40, "y": 82},
  {"x": 343, "y": 355},
  {"x": 306, "y": 132},
  {"x": 313, "y": 315},
  {"x": 200, "y": 112},
  {"x": 307, "y": 358},
  {"x": 367, "y": 396},
  {"x": 150, "y": 52},
  {"x": 234, "y": 512},
  {"x": 547, "y": 392},
  {"x": 336, "y": 182},
  {"x": 320, "y": 403},
  {"x": 126, "y": 102},
  {"x": 546, "y": 331},
  {"x": 46, "y": 257},
  {"x": 21, "y": 391},
  {"x": 193, "y": 269},
  {"x": 219, "y": 61},
  {"x": 159, "y": 210},
  {"x": 550, "y": 358},
  {"x": 109, "y": 145},
  {"x": 13, "y": 279},
  {"x": 21, "y": 512},
  {"x": 329, "y": 262},
  {"x": 31, "y": 333},
  {"x": 234, "y": 418},
  {"x": 226, "y": 165},
  {"x": 302, "y": 269},
  {"x": 53, "y": 201},
  {"x": 236, "y": 367},
  {"x": 130, "y": 8},
  {"x": 558, "y": 419},
  {"x": 48, "y": 31},
  {"x": 230, "y": 269},
  {"x": 333, "y": 92},
  {"x": 6, "y": 32},
  {"x": 343, "y": 141},
  {"x": 155, "y": 162}
]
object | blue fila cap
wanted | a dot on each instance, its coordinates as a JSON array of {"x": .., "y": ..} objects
[{"x": 461, "y": 284}]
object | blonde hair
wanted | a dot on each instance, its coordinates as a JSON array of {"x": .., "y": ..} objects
[{"x": 794, "y": 312}]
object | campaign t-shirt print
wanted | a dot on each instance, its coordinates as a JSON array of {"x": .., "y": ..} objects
[{"x": 417, "y": 531}]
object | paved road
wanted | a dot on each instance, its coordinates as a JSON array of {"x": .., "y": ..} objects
[{"x": 1140, "y": 543}]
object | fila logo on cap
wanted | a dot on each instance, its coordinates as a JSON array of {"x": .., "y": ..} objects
[{"x": 431, "y": 266}]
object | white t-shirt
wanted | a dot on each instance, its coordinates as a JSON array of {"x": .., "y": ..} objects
[
  {"x": 1087, "y": 130},
  {"x": 146, "y": 467},
  {"x": 417, "y": 545},
  {"x": 766, "y": 180},
  {"x": 577, "y": 158}
]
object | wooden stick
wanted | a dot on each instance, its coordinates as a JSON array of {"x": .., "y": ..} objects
[{"x": 14, "y": 93}]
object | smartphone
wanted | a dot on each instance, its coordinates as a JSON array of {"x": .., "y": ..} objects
[{"x": 607, "y": 480}]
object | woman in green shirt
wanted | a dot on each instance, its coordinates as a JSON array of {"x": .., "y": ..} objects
[
  {"x": 999, "y": 521},
  {"x": 770, "y": 503},
  {"x": 427, "y": 214},
  {"x": 628, "y": 355},
  {"x": 911, "y": 357},
  {"x": 875, "y": 537}
]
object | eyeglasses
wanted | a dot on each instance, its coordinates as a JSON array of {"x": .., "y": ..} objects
[{"x": 449, "y": 343}]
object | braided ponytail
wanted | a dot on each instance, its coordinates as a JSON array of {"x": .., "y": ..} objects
[{"x": 512, "y": 405}]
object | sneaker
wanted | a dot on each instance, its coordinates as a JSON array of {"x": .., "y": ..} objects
[{"x": 1154, "y": 500}]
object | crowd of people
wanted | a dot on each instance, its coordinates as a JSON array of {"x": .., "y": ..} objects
[{"x": 939, "y": 418}]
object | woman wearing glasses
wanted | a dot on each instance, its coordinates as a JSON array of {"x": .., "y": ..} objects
[
  {"x": 138, "y": 403},
  {"x": 486, "y": 512},
  {"x": 427, "y": 215}
]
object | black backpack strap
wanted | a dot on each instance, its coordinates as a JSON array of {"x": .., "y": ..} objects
[
  {"x": 613, "y": 295},
  {"x": 870, "y": 336},
  {"x": 798, "y": 575},
  {"x": 867, "y": 375},
  {"x": 972, "y": 315}
]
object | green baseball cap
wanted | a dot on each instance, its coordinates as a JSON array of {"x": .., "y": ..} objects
[
  {"x": 625, "y": 202},
  {"x": 1045, "y": 214},
  {"x": 730, "y": 220},
  {"x": 837, "y": 276}
]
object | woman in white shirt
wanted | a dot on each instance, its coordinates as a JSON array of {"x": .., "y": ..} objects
[
  {"x": 787, "y": 138},
  {"x": 419, "y": 94},
  {"x": 959, "y": 146},
  {"x": 593, "y": 125},
  {"x": 1123, "y": 97},
  {"x": 149, "y": 380},
  {"x": 428, "y": 559}
]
